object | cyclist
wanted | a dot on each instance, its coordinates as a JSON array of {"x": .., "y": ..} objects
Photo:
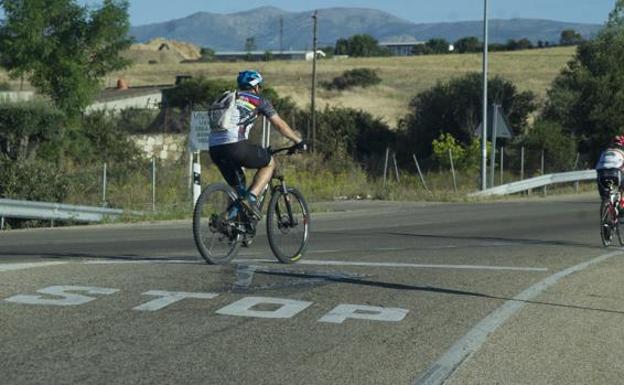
[
  {"x": 609, "y": 169},
  {"x": 230, "y": 150}
]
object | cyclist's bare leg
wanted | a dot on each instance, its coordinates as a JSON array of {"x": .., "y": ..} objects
[{"x": 262, "y": 178}]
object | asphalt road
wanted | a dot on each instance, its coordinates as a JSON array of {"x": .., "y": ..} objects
[{"x": 388, "y": 293}]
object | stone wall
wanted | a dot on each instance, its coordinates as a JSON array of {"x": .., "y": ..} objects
[{"x": 162, "y": 146}]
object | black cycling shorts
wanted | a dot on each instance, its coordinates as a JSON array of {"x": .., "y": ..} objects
[{"x": 232, "y": 157}]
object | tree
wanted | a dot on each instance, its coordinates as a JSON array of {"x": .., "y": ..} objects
[
  {"x": 455, "y": 107},
  {"x": 587, "y": 98},
  {"x": 207, "y": 54},
  {"x": 438, "y": 46},
  {"x": 468, "y": 44},
  {"x": 570, "y": 37},
  {"x": 342, "y": 47},
  {"x": 362, "y": 45},
  {"x": 250, "y": 44},
  {"x": 62, "y": 48}
]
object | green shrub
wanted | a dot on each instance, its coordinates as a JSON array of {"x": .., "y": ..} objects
[
  {"x": 465, "y": 157},
  {"x": 359, "y": 77},
  {"x": 196, "y": 92},
  {"x": 24, "y": 127}
]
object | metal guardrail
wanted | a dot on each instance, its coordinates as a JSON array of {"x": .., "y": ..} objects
[
  {"x": 540, "y": 181},
  {"x": 10, "y": 208}
]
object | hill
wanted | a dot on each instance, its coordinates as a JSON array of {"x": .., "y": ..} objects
[
  {"x": 228, "y": 32},
  {"x": 162, "y": 51}
]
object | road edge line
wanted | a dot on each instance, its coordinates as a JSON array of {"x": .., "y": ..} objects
[{"x": 442, "y": 370}]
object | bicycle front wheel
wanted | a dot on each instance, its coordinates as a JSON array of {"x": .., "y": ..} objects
[
  {"x": 288, "y": 225},
  {"x": 216, "y": 234}
]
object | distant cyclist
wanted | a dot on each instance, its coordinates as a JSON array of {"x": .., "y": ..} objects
[
  {"x": 230, "y": 150},
  {"x": 610, "y": 167}
]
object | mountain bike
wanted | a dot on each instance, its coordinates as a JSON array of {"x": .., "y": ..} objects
[
  {"x": 222, "y": 223},
  {"x": 609, "y": 212}
]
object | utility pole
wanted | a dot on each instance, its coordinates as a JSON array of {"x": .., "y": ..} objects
[
  {"x": 485, "y": 98},
  {"x": 313, "y": 107}
]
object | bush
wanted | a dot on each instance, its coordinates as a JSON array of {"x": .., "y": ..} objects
[
  {"x": 455, "y": 107},
  {"x": 32, "y": 180},
  {"x": 25, "y": 126},
  {"x": 198, "y": 91},
  {"x": 359, "y": 77},
  {"x": 465, "y": 157},
  {"x": 102, "y": 139},
  {"x": 559, "y": 147}
]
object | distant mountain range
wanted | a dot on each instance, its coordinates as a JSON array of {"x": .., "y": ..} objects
[{"x": 228, "y": 32}]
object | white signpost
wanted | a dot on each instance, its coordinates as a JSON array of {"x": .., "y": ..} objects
[{"x": 198, "y": 141}]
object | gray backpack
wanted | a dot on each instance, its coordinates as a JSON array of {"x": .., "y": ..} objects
[{"x": 223, "y": 114}]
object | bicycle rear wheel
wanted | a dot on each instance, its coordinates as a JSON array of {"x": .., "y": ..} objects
[
  {"x": 288, "y": 225},
  {"x": 216, "y": 236},
  {"x": 607, "y": 223}
]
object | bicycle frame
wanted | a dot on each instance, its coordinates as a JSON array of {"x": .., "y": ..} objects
[{"x": 281, "y": 186}]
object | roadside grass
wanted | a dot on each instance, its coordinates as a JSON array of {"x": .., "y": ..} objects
[{"x": 317, "y": 181}]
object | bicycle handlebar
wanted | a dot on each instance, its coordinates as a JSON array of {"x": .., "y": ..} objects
[{"x": 289, "y": 150}]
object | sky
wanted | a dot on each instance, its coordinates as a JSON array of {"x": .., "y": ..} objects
[{"x": 417, "y": 11}]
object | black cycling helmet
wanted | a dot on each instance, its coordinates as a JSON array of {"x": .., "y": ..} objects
[{"x": 249, "y": 79}]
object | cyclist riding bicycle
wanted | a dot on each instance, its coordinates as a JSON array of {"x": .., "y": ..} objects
[
  {"x": 609, "y": 169},
  {"x": 230, "y": 149}
]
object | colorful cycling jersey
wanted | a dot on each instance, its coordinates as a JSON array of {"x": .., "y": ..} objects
[
  {"x": 249, "y": 106},
  {"x": 611, "y": 158}
]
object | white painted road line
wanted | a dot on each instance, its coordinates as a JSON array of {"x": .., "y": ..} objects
[
  {"x": 27, "y": 265},
  {"x": 449, "y": 362},
  {"x": 399, "y": 264},
  {"x": 142, "y": 262}
]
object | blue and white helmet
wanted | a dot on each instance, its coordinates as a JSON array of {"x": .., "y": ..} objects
[{"x": 249, "y": 79}]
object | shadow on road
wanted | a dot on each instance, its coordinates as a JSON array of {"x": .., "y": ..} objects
[
  {"x": 519, "y": 241},
  {"x": 429, "y": 289}
]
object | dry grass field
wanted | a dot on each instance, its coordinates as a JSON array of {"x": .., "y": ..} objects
[{"x": 402, "y": 77}]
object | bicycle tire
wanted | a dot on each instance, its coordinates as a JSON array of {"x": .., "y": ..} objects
[
  {"x": 216, "y": 239},
  {"x": 606, "y": 223},
  {"x": 288, "y": 241}
]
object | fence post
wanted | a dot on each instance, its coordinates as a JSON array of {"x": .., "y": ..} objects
[
  {"x": 576, "y": 161},
  {"x": 501, "y": 165},
  {"x": 386, "y": 166},
  {"x": 452, "y": 170},
  {"x": 522, "y": 163},
  {"x": 422, "y": 178},
  {"x": 153, "y": 184},
  {"x": 543, "y": 169},
  {"x": 396, "y": 168},
  {"x": 104, "y": 182}
]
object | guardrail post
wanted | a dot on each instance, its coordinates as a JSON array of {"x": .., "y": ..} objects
[{"x": 1, "y": 223}]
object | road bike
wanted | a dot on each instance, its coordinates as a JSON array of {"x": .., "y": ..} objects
[
  {"x": 222, "y": 223},
  {"x": 609, "y": 211}
]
